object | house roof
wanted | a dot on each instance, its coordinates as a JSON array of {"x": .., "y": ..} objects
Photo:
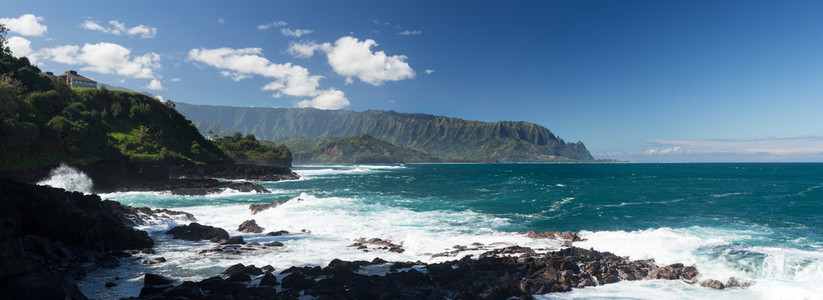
[{"x": 74, "y": 76}]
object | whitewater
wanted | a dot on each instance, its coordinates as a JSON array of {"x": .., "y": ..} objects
[{"x": 756, "y": 222}]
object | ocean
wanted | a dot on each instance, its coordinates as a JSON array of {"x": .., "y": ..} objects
[{"x": 759, "y": 222}]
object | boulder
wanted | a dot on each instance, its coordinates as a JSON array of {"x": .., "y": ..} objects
[
  {"x": 715, "y": 284},
  {"x": 197, "y": 232},
  {"x": 250, "y": 226}
]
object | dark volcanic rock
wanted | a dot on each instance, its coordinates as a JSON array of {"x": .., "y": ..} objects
[
  {"x": 494, "y": 275},
  {"x": 197, "y": 232},
  {"x": 49, "y": 236},
  {"x": 143, "y": 215},
  {"x": 256, "y": 208},
  {"x": 233, "y": 171},
  {"x": 277, "y": 233},
  {"x": 715, "y": 284},
  {"x": 235, "y": 240},
  {"x": 197, "y": 187},
  {"x": 250, "y": 226}
]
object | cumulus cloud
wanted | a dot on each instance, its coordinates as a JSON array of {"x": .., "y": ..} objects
[
  {"x": 27, "y": 25},
  {"x": 270, "y": 25},
  {"x": 305, "y": 50},
  {"x": 351, "y": 57},
  {"x": 328, "y": 99},
  {"x": 295, "y": 32},
  {"x": 410, "y": 32},
  {"x": 289, "y": 79},
  {"x": 155, "y": 84},
  {"x": 22, "y": 47},
  {"x": 429, "y": 71},
  {"x": 117, "y": 28}
]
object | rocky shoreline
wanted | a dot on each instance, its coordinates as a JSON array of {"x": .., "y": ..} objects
[
  {"x": 51, "y": 237},
  {"x": 176, "y": 176}
]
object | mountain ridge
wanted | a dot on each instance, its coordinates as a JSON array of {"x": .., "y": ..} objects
[{"x": 447, "y": 138}]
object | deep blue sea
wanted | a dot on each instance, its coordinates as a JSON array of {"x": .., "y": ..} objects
[{"x": 759, "y": 222}]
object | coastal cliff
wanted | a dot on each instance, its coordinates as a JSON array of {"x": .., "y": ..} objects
[{"x": 50, "y": 237}]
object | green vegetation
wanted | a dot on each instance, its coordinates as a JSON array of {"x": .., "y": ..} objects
[
  {"x": 359, "y": 149},
  {"x": 448, "y": 139},
  {"x": 248, "y": 150},
  {"x": 46, "y": 122}
]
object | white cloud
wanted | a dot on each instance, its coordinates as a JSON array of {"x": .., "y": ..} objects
[
  {"x": 328, "y": 99},
  {"x": 289, "y": 79},
  {"x": 118, "y": 28},
  {"x": 108, "y": 58},
  {"x": 27, "y": 25},
  {"x": 220, "y": 21},
  {"x": 22, "y": 47},
  {"x": 155, "y": 84},
  {"x": 429, "y": 71},
  {"x": 305, "y": 50},
  {"x": 295, "y": 32},
  {"x": 175, "y": 80},
  {"x": 410, "y": 32},
  {"x": 351, "y": 57},
  {"x": 270, "y": 25},
  {"x": 63, "y": 54}
]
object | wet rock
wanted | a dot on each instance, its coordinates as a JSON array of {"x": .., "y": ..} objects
[
  {"x": 197, "y": 232},
  {"x": 155, "y": 280},
  {"x": 154, "y": 261},
  {"x": 196, "y": 186},
  {"x": 110, "y": 284},
  {"x": 250, "y": 226},
  {"x": 711, "y": 283},
  {"x": 737, "y": 282},
  {"x": 256, "y": 208},
  {"x": 676, "y": 271},
  {"x": 277, "y": 233},
  {"x": 268, "y": 279},
  {"x": 235, "y": 240},
  {"x": 273, "y": 244}
]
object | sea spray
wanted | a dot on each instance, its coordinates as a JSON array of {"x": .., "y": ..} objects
[{"x": 69, "y": 179}]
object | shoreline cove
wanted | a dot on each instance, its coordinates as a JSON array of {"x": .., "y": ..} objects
[{"x": 338, "y": 220}]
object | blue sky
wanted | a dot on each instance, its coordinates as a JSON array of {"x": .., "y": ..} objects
[{"x": 634, "y": 80}]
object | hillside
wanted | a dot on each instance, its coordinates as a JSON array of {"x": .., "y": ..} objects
[
  {"x": 45, "y": 123},
  {"x": 449, "y": 139},
  {"x": 359, "y": 149}
]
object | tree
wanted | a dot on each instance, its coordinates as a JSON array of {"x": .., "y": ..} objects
[{"x": 4, "y": 49}]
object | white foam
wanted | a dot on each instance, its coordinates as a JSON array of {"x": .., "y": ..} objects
[
  {"x": 308, "y": 172},
  {"x": 69, "y": 179},
  {"x": 778, "y": 273}
]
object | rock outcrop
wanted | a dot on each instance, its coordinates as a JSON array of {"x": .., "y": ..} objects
[
  {"x": 250, "y": 226},
  {"x": 198, "y": 232},
  {"x": 49, "y": 236},
  {"x": 491, "y": 276}
]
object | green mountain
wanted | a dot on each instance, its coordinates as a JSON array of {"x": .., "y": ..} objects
[
  {"x": 45, "y": 123},
  {"x": 359, "y": 149},
  {"x": 449, "y": 139}
]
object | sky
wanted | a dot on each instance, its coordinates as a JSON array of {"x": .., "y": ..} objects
[{"x": 644, "y": 81}]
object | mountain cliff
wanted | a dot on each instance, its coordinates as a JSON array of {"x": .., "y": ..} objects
[
  {"x": 359, "y": 149},
  {"x": 449, "y": 139}
]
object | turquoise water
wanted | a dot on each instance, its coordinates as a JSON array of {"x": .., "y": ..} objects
[{"x": 758, "y": 222}]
